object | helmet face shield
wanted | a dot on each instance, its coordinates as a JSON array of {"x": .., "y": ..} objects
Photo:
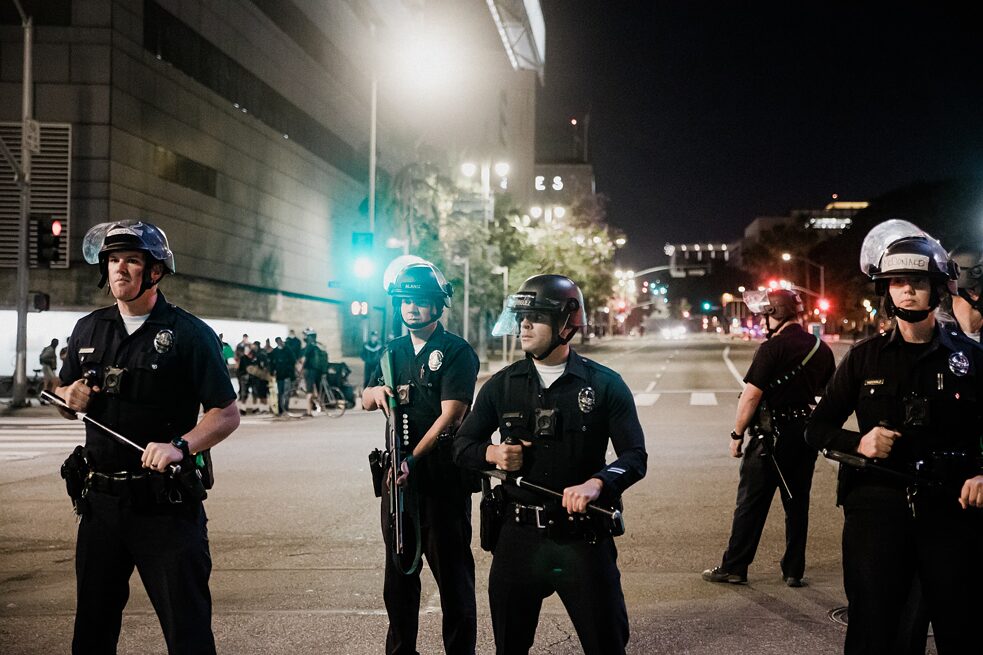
[
  {"x": 879, "y": 238},
  {"x": 757, "y": 301},
  {"x": 509, "y": 320},
  {"x": 127, "y": 235}
]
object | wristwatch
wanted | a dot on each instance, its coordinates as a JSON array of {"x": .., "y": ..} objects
[
  {"x": 735, "y": 436},
  {"x": 182, "y": 445}
]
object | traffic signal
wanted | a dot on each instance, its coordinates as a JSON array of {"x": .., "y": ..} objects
[
  {"x": 48, "y": 238},
  {"x": 360, "y": 308},
  {"x": 362, "y": 263},
  {"x": 706, "y": 306},
  {"x": 824, "y": 304}
]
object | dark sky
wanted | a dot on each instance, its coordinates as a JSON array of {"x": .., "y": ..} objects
[{"x": 707, "y": 114}]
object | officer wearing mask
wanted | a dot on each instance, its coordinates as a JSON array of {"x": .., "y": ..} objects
[
  {"x": 787, "y": 373},
  {"x": 144, "y": 368},
  {"x": 556, "y": 412},
  {"x": 911, "y": 482},
  {"x": 434, "y": 374}
]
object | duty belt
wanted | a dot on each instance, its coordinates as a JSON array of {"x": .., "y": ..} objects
[
  {"x": 534, "y": 515},
  {"x": 118, "y": 483},
  {"x": 791, "y": 413},
  {"x": 553, "y": 521}
]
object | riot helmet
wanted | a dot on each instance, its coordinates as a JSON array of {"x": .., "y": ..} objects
[
  {"x": 423, "y": 283},
  {"x": 783, "y": 305},
  {"x": 106, "y": 238},
  {"x": 556, "y": 295},
  {"x": 909, "y": 254},
  {"x": 969, "y": 262}
]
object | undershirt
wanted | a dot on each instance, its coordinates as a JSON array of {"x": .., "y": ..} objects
[
  {"x": 549, "y": 374},
  {"x": 133, "y": 323}
]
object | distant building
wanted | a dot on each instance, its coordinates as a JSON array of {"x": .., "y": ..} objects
[{"x": 242, "y": 129}]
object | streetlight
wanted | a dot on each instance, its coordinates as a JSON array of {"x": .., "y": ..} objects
[
  {"x": 504, "y": 272},
  {"x": 466, "y": 261},
  {"x": 822, "y": 270}
]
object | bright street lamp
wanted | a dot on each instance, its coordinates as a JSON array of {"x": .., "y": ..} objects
[
  {"x": 502, "y": 168},
  {"x": 822, "y": 270},
  {"x": 468, "y": 169}
]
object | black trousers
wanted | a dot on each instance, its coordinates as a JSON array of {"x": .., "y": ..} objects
[
  {"x": 885, "y": 548},
  {"x": 528, "y": 567},
  {"x": 445, "y": 533},
  {"x": 758, "y": 482},
  {"x": 169, "y": 548}
]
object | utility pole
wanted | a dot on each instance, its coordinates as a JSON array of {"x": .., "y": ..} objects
[{"x": 29, "y": 142}]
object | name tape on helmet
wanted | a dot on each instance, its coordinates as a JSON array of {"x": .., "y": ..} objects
[
  {"x": 523, "y": 300},
  {"x": 904, "y": 262},
  {"x": 123, "y": 229}
]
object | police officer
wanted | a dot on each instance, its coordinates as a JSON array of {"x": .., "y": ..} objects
[
  {"x": 143, "y": 367},
  {"x": 967, "y": 303},
  {"x": 787, "y": 373},
  {"x": 911, "y": 507},
  {"x": 556, "y": 411},
  {"x": 434, "y": 372},
  {"x": 370, "y": 355}
]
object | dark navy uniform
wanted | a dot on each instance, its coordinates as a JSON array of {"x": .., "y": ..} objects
[
  {"x": 172, "y": 365},
  {"x": 445, "y": 369},
  {"x": 893, "y": 529},
  {"x": 789, "y": 403},
  {"x": 591, "y": 405}
]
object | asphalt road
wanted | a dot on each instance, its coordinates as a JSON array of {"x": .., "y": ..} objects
[{"x": 297, "y": 551}]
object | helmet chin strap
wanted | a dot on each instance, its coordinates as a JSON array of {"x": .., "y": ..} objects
[
  {"x": 438, "y": 311},
  {"x": 556, "y": 340},
  {"x": 769, "y": 332},
  {"x": 975, "y": 304},
  {"x": 911, "y": 315}
]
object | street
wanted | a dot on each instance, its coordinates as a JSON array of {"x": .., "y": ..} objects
[{"x": 297, "y": 550}]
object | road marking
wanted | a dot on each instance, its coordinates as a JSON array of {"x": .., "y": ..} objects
[
  {"x": 732, "y": 368},
  {"x": 650, "y": 387},
  {"x": 646, "y": 399},
  {"x": 18, "y": 455},
  {"x": 702, "y": 398}
]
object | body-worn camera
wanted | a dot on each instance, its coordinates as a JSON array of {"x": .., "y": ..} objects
[
  {"x": 545, "y": 425},
  {"x": 403, "y": 394},
  {"x": 514, "y": 428},
  {"x": 112, "y": 379},
  {"x": 917, "y": 412}
]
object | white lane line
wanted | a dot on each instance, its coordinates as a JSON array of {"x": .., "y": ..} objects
[
  {"x": 646, "y": 399},
  {"x": 6, "y": 445},
  {"x": 650, "y": 387},
  {"x": 732, "y": 368},
  {"x": 702, "y": 398},
  {"x": 17, "y": 456}
]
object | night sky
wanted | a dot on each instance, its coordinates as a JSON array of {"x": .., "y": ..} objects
[{"x": 707, "y": 114}]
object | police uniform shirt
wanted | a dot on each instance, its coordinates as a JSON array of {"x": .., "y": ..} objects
[
  {"x": 446, "y": 368},
  {"x": 780, "y": 355},
  {"x": 592, "y": 404},
  {"x": 172, "y": 366},
  {"x": 875, "y": 379}
]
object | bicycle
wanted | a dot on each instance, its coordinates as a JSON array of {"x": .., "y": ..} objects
[{"x": 331, "y": 399}]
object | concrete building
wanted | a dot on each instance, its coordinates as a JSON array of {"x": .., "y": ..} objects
[{"x": 242, "y": 128}]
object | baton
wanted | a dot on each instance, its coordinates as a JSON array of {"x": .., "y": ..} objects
[
  {"x": 56, "y": 400},
  {"x": 614, "y": 515},
  {"x": 860, "y": 462}
]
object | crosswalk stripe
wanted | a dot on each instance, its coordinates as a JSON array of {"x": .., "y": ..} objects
[
  {"x": 47, "y": 445},
  {"x": 646, "y": 399},
  {"x": 14, "y": 456},
  {"x": 702, "y": 398}
]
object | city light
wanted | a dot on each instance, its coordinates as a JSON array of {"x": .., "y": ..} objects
[
  {"x": 502, "y": 169},
  {"x": 786, "y": 257},
  {"x": 559, "y": 212},
  {"x": 536, "y": 211},
  {"x": 468, "y": 169},
  {"x": 363, "y": 267},
  {"x": 824, "y": 304}
]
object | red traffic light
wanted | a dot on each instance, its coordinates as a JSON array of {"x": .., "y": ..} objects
[
  {"x": 56, "y": 228},
  {"x": 824, "y": 304}
]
